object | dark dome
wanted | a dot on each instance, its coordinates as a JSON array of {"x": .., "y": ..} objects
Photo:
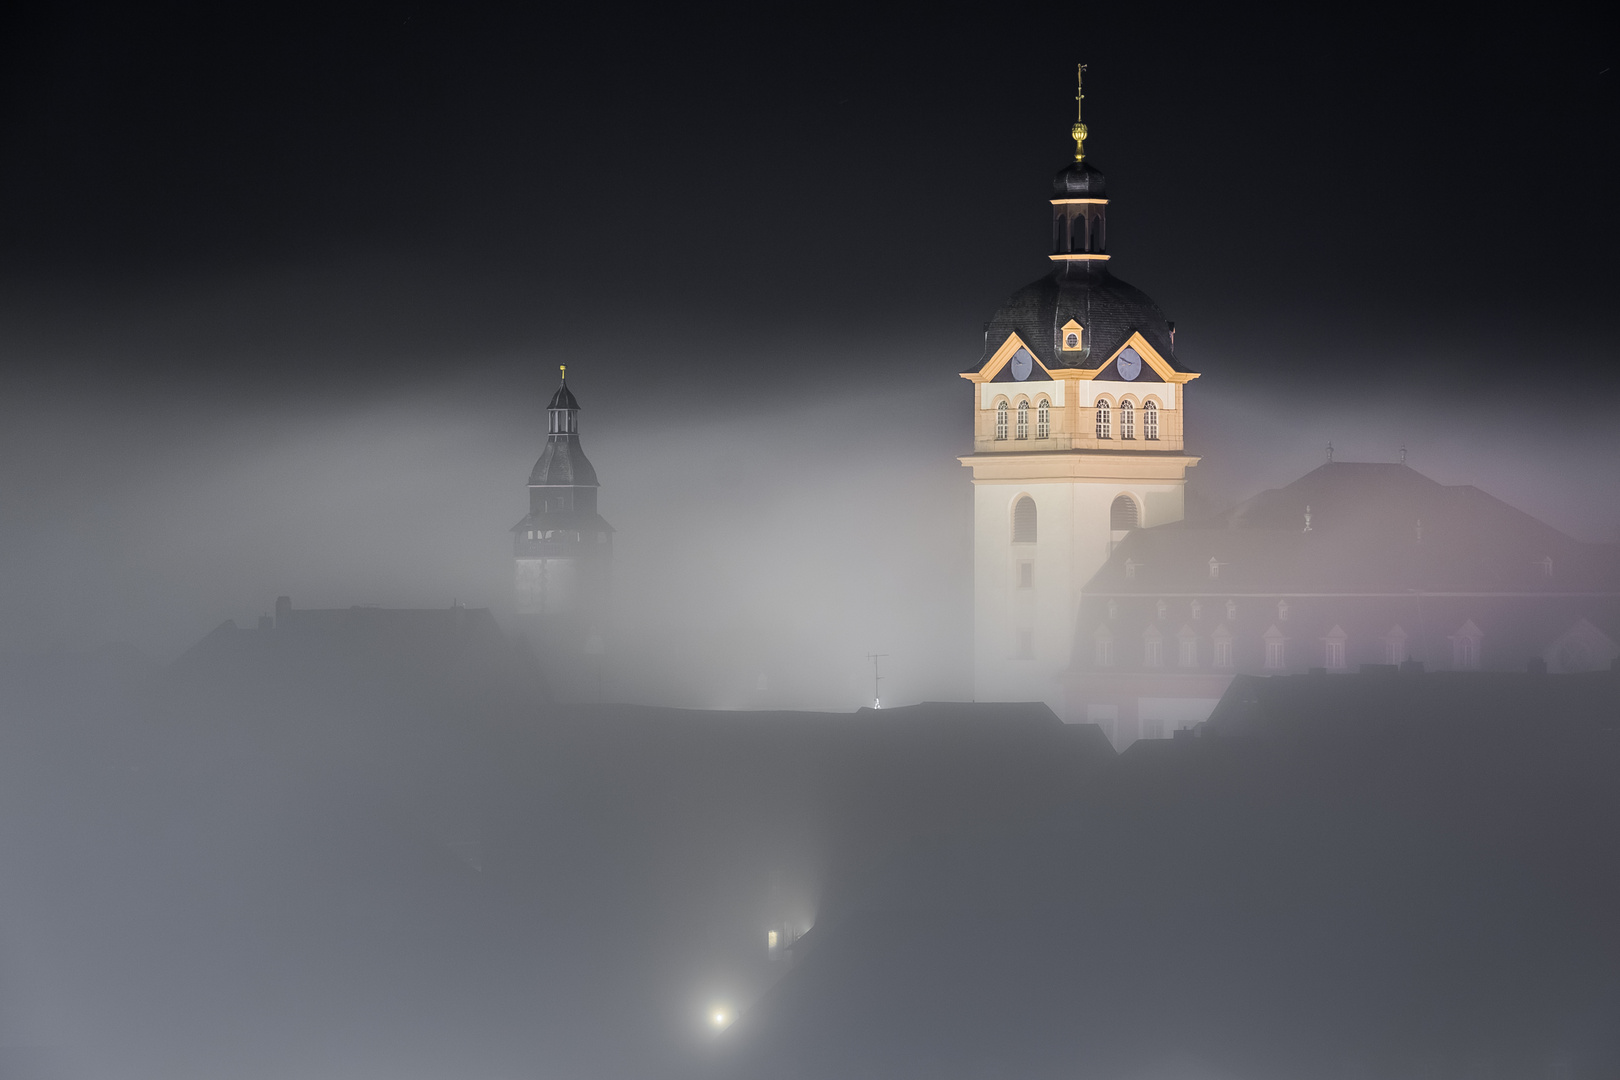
[
  {"x": 562, "y": 464},
  {"x": 1080, "y": 181},
  {"x": 1108, "y": 308}
]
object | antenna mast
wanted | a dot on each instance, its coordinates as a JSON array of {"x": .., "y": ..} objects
[{"x": 877, "y": 697}]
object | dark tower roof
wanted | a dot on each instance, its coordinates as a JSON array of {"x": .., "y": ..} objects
[
  {"x": 563, "y": 463},
  {"x": 1086, "y": 292},
  {"x": 564, "y": 399},
  {"x": 1080, "y": 180}
]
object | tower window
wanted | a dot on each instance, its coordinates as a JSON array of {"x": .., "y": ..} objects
[
  {"x": 1102, "y": 420},
  {"x": 1023, "y": 420},
  {"x": 1122, "y": 514},
  {"x": 1127, "y": 421},
  {"x": 1043, "y": 420},
  {"x": 1150, "y": 421},
  {"x": 1024, "y": 521},
  {"x": 1001, "y": 421}
]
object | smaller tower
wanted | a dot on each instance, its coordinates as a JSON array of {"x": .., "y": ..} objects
[{"x": 564, "y": 556}]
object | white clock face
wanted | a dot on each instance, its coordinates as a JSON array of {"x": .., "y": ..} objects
[
  {"x": 1130, "y": 365},
  {"x": 1021, "y": 363}
]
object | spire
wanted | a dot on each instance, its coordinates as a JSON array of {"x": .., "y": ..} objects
[{"x": 1078, "y": 132}]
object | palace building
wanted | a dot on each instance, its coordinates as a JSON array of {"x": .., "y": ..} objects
[
  {"x": 1092, "y": 593},
  {"x": 1078, "y": 400}
]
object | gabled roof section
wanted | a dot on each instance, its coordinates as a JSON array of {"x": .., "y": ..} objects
[
  {"x": 1375, "y": 527},
  {"x": 994, "y": 367}
]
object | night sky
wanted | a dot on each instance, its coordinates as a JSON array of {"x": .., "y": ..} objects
[{"x": 242, "y": 251}]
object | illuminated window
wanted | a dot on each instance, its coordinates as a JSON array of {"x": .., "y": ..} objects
[
  {"x": 1102, "y": 420},
  {"x": 1127, "y": 421},
  {"x": 1026, "y": 575},
  {"x": 1001, "y": 420},
  {"x": 1043, "y": 420},
  {"x": 1073, "y": 336},
  {"x": 1123, "y": 514},
  {"x": 1024, "y": 521},
  {"x": 1023, "y": 420},
  {"x": 1150, "y": 421}
]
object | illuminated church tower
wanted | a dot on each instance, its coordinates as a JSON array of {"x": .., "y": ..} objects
[
  {"x": 564, "y": 553},
  {"x": 1078, "y": 405}
]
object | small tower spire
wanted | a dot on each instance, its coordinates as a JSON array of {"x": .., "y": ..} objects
[
  {"x": 564, "y": 369},
  {"x": 1078, "y": 132}
]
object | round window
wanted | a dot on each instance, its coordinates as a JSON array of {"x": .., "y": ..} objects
[{"x": 1072, "y": 341}]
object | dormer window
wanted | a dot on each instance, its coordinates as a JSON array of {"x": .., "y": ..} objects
[{"x": 1074, "y": 336}]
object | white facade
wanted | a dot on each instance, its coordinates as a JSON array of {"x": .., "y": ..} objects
[{"x": 1026, "y": 595}]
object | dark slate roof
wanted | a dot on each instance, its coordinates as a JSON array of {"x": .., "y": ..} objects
[
  {"x": 1081, "y": 180},
  {"x": 562, "y": 463},
  {"x": 1085, "y": 291},
  {"x": 563, "y": 399},
  {"x": 1374, "y": 528}
]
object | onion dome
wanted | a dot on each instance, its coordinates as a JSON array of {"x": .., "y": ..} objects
[{"x": 1079, "y": 180}]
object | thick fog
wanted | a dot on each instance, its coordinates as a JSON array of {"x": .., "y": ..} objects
[{"x": 283, "y": 297}]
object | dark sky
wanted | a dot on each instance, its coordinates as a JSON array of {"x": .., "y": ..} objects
[{"x": 242, "y": 245}]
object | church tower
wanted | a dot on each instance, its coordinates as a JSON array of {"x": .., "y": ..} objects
[
  {"x": 564, "y": 555},
  {"x": 1078, "y": 402}
]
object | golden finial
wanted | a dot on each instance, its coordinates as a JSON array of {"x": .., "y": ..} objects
[
  {"x": 564, "y": 369},
  {"x": 1078, "y": 132}
]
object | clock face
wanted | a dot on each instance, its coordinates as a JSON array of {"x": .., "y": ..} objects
[
  {"x": 1130, "y": 364},
  {"x": 1021, "y": 363}
]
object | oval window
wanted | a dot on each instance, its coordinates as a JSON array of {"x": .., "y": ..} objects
[{"x": 1072, "y": 341}]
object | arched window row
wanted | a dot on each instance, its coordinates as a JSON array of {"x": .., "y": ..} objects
[
  {"x": 1015, "y": 422},
  {"x": 1121, "y": 416}
]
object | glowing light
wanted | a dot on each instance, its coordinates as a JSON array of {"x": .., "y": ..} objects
[
  {"x": 770, "y": 939},
  {"x": 719, "y": 1019}
]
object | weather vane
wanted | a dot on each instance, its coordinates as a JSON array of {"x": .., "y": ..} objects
[{"x": 1078, "y": 132}]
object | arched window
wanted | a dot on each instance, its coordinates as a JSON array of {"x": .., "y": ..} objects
[
  {"x": 1057, "y": 232},
  {"x": 1123, "y": 514},
  {"x": 1099, "y": 233},
  {"x": 1001, "y": 420},
  {"x": 1102, "y": 420},
  {"x": 1023, "y": 420},
  {"x": 1024, "y": 521},
  {"x": 1150, "y": 421},
  {"x": 1043, "y": 420},
  {"x": 1078, "y": 227},
  {"x": 1127, "y": 421}
]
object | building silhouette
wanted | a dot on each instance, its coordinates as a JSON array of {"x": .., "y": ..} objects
[{"x": 563, "y": 551}]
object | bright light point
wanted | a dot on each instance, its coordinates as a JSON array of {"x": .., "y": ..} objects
[{"x": 719, "y": 1019}]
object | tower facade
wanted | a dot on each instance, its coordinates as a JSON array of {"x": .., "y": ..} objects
[
  {"x": 563, "y": 551},
  {"x": 1079, "y": 401}
]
